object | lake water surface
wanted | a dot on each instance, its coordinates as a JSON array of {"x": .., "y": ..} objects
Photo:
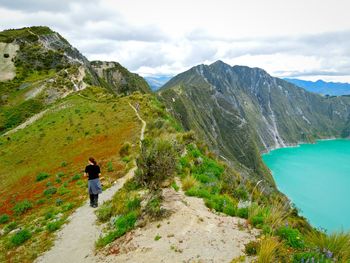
[{"x": 316, "y": 177}]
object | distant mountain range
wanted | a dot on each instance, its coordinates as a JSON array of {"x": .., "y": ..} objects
[
  {"x": 322, "y": 87},
  {"x": 157, "y": 82}
]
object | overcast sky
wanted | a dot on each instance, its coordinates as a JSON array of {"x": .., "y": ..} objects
[{"x": 307, "y": 39}]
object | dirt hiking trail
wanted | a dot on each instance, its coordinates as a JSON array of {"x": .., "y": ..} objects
[{"x": 75, "y": 242}]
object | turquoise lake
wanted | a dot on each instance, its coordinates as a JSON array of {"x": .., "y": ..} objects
[{"x": 316, "y": 178}]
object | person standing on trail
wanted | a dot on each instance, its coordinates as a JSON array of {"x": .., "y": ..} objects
[{"x": 93, "y": 172}]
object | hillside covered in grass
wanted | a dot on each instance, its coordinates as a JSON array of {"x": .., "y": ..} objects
[{"x": 57, "y": 109}]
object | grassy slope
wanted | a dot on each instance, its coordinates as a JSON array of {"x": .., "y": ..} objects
[{"x": 60, "y": 142}]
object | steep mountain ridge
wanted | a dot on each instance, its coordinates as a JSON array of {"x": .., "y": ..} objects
[
  {"x": 242, "y": 111},
  {"x": 41, "y": 67}
]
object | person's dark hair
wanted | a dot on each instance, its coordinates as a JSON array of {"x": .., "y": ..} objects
[{"x": 91, "y": 159}]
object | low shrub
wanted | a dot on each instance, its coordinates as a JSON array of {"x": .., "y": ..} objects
[
  {"x": 242, "y": 212},
  {"x": 62, "y": 190},
  {"x": 50, "y": 191},
  {"x": 41, "y": 177},
  {"x": 175, "y": 186},
  {"x": 110, "y": 167},
  {"x": 22, "y": 207},
  {"x": 66, "y": 207},
  {"x": 157, "y": 237},
  {"x": 125, "y": 149},
  {"x": 198, "y": 192},
  {"x": 188, "y": 182},
  {"x": 60, "y": 174},
  {"x": 4, "y": 218},
  {"x": 133, "y": 204},
  {"x": 153, "y": 207},
  {"x": 241, "y": 194},
  {"x": 268, "y": 250},
  {"x": 252, "y": 248},
  {"x": 221, "y": 203},
  {"x": 20, "y": 237},
  {"x": 53, "y": 226},
  {"x": 157, "y": 162},
  {"x": 64, "y": 164},
  {"x": 337, "y": 243},
  {"x": 11, "y": 226},
  {"x": 292, "y": 236},
  {"x": 105, "y": 212},
  {"x": 76, "y": 177}
]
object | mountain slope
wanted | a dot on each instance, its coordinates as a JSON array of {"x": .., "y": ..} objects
[
  {"x": 242, "y": 111},
  {"x": 40, "y": 67},
  {"x": 322, "y": 87}
]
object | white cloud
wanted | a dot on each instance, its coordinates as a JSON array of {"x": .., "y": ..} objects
[{"x": 307, "y": 39}]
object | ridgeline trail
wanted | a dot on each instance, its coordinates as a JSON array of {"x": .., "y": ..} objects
[{"x": 75, "y": 242}]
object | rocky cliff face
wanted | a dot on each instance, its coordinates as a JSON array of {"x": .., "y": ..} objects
[{"x": 243, "y": 111}]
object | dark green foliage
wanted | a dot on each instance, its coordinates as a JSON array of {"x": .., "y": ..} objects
[
  {"x": 175, "y": 186},
  {"x": 76, "y": 177},
  {"x": 13, "y": 116},
  {"x": 11, "y": 226},
  {"x": 67, "y": 207},
  {"x": 133, "y": 204},
  {"x": 41, "y": 176},
  {"x": 59, "y": 202},
  {"x": 251, "y": 249},
  {"x": 110, "y": 167},
  {"x": 20, "y": 237},
  {"x": 242, "y": 212},
  {"x": 4, "y": 218},
  {"x": 50, "y": 191},
  {"x": 132, "y": 185},
  {"x": 199, "y": 192},
  {"x": 258, "y": 220},
  {"x": 221, "y": 203},
  {"x": 62, "y": 190},
  {"x": 53, "y": 226},
  {"x": 26, "y": 33},
  {"x": 123, "y": 224},
  {"x": 64, "y": 164},
  {"x": 157, "y": 162},
  {"x": 22, "y": 207},
  {"x": 292, "y": 236},
  {"x": 240, "y": 193}
]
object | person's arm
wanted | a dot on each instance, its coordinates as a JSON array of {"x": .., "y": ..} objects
[{"x": 85, "y": 172}]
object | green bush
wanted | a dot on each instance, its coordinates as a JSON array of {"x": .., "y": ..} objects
[
  {"x": 41, "y": 177},
  {"x": 60, "y": 174},
  {"x": 221, "y": 203},
  {"x": 20, "y": 237},
  {"x": 175, "y": 186},
  {"x": 157, "y": 162},
  {"x": 64, "y": 164},
  {"x": 242, "y": 212},
  {"x": 198, "y": 192},
  {"x": 240, "y": 193},
  {"x": 251, "y": 249},
  {"x": 50, "y": 191},
  {"x": 258, "y": 220},
  {"x": 110, "y": 167},
  {"x": 76, "y": 177},
  {"x": 133, "y": 204},
  {"x": 53, "y": 226},
  {"x": 291, "y": 236},
  {"x": 67, "y": 207},
  {"x": 62, "y": 190},
  {"x": 22, "y": 207},
  {"x": 105, "y": 212},
  {"x": 11, "y": 226},
  {"x": 4, "y": 218}
]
